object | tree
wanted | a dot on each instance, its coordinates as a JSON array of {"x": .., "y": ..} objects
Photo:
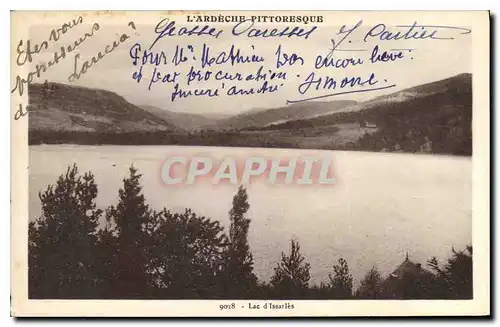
[
  {"x": 321, "y": 291},
  {"x": 187, "y": 255},
  {"x": 106, "y": 261},
  {"x": 370, "y": 285},
  {"x": 455, "y": 280},
  {"x": 128, "y": 221},
  {"x": 341, "y": 280},
  {"x": 61, "y": 243},
  {"x": 459, "y": 273},
  {"x": 239, "y": 261},
  {"x": 291, "y": 276}
]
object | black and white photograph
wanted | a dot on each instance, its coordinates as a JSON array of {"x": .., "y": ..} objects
[{"x": 253, "y": 158}]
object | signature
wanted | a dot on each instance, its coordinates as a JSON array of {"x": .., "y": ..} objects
[
  {"x": 415, "y": 32},
  {"x": 382, "y": 32}
]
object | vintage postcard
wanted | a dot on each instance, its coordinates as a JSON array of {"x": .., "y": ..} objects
[{"x": 250, "y": 164}]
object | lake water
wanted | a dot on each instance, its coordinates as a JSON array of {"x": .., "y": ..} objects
[{"x": 383, "y": 205}]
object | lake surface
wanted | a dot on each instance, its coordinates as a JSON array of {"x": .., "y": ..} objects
[{"x": 383, "y": 205}]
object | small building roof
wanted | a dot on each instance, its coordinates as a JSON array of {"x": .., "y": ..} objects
[
  {"x": 396, "y": 284},
  {"x": 408, "y": 268}
]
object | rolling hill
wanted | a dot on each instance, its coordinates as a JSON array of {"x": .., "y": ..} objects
[
  {"x": 62, "y": 107},
  {"x": 184, "y": 120},
  {"x": 262, "y": 118},
  {"x": 430, "y": 118},
  {"x": 437, "y": 114}
]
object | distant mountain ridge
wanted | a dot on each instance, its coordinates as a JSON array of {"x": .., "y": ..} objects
[
  {"x": 185, "y": 120},
  {"x": 62, "y": 107},
  {"x": 262, "y": 118},
  {"x": 461, "y": 83},
  {"x": 454, "y": 90},
  {"x": 431, "y": 118},
  {"x": 434, "y": 117}
]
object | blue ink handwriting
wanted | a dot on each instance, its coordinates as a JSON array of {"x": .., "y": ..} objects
[
  {"x": 233, "y": 56},
  {"x": 165, "y": 27},
  {"x": 283, "y": 58},
  {"x": 414, "y": 32},
  {"x": 245, "y": 28}
]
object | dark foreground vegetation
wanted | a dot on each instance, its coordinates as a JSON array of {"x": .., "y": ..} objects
[{"x": 146, "y": 254}]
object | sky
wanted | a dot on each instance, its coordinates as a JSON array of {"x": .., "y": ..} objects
[{"x": 428, "y": 61}]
